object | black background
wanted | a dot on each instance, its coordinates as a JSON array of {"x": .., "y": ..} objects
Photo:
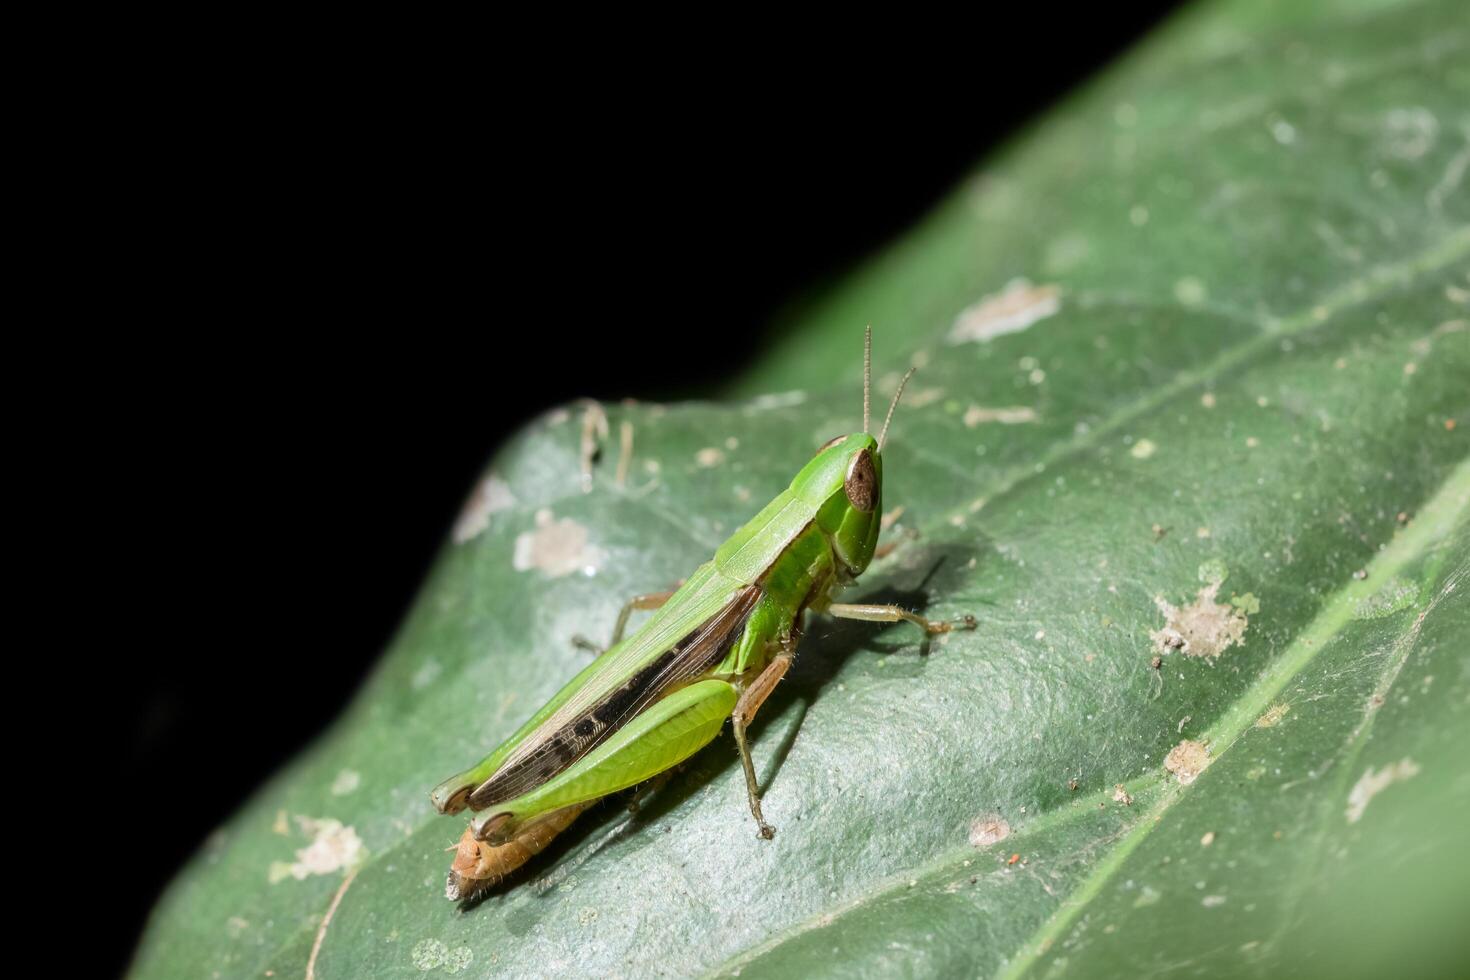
[{"x": 337, "y": 293}]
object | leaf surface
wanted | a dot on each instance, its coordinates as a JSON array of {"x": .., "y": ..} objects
[{"x": 1195, "y": 385}]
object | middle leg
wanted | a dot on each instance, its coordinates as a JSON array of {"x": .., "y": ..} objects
[{"x": 750, "y": 702}]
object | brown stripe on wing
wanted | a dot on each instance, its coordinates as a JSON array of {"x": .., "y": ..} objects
[{"x": 704, "y": 647}]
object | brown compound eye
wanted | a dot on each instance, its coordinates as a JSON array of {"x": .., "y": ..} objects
[{"x": 862, "y": 482}]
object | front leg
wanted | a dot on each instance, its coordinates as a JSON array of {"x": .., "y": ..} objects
[{"x": 750, "y": 702}]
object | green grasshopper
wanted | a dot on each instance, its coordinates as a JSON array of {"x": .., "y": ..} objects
[{"x": 714, "y": 649}]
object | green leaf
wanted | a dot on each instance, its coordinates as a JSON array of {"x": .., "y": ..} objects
[{"x": 1195, "y": 386}]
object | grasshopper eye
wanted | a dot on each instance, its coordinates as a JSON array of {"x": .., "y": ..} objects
[
  {"x": 861, "y": 483},
  {"x": 830, "y": 443}
]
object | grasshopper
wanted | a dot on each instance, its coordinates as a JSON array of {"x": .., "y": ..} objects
[{"x": 714, "y": 649}]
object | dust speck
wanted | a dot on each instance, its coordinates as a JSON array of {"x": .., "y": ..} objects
[
  {"x": 1212, "y": 901},
  {"x": 1065, "y": 253},
  {"x": 1214, "y": 570},
  {"x": 1012, "y": 310},
  {"x": 783, "y": 399},
  {"x": 975, "y": 415},
  {"x": 555, "y": 547},
  {"x": 426, "y": 674},
  {"x": 1204, "y": 628},
  {"x": 987, "y": 829},
  {"x": 1207, "y": 399},
  {"x": 1187, "y": 760},
  {"x": 1408, "y": 132},
  {"x": 1396, "y": 595},
  {"x": 1143, "y": 449},
  {"x": 1190, "y": 291},
  {"x": 429, "y": 955},
  {"x": 346, "y": 782},
  {"x": 458, "y": 960},
  {"x": 1207, "y": 839},
  {"x": 1147, "y": 896},
  {"x": 1247, "y": 604},
  {"x": 710, "y": 456},
  {"x": 1374, "y": 782},
  {"x": 1273, "y": 715},
  {"x": 924, "y": 396},
  {"x": 491, "y": 495}
]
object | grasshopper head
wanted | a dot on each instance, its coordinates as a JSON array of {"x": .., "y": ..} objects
[{"x": 844, "y": 483}]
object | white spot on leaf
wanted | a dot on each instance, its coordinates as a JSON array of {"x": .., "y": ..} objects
[
  {"x": 431, "y": 954},
  {"x": 555, "y": 547},
  {"x": 490, "y": 495},
  {"x": 1190, "y": 291},
  {"x": 1012, "y": 310},
  {"x": 346, "y": 782},
  {"x": 785, "y": 399},
  {"x": 975, "y": 415},
  {"x": 333, "y": 848},
  {"x": 1372, "y": 783}
]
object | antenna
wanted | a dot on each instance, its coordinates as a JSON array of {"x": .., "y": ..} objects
[
  {"x": 896, "y": 396},
  {"x": 867, "y": 371}
]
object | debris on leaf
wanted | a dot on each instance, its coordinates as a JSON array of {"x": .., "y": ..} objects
[
  {"x": 1273, "y": 715},
  {"x": 1372, "y": 783},
  {"x": 989, "y": 828},
  {"x": 1012, "y": 310},
  {"x": 1204, "y": 628},
  {"x": 1121, "y": 795},
  {"x": 555, "y": 547},
  {"x": 346, "y": 782},
  {"x": 333, "y": 847},
  {"x": 1187, "y": 760},
  {"x": 491, "y": 495},
  {"x": 975, "y": 415},
  {"x": 594, "y": 430}
]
